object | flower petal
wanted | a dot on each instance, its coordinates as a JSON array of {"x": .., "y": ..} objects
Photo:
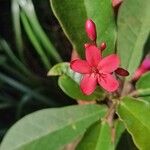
[
  {"x": 93, "y": 55},
  {"x": 88, "y": 84},
  {"x": 108, "y": 82},
  {"x": 109, "y": 63},
  {"x": 80, "y": 66}
]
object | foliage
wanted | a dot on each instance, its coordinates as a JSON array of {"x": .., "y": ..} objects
[{"x": 115, "y": 117}]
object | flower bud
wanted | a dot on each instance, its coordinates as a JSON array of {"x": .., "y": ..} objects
[
  {"x": 91, "y": 29},
  {"x": 122, "y": 72},
  {"x": 146, "y": 64},
  {"x": 86, "y": 45},
  {"x": 102, "y": 46}
]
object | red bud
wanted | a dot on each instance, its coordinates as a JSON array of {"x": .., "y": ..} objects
[
  {"x": 91, "y": 29},
  {"x": 86, "y": 45},
  {"x": 102, "y": 46},
  {"x": 122, "y": 72}
]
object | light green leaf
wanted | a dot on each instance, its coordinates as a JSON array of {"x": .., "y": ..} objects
[
  {"x": 72, "y": 15},
  {"x": 64, "y": 68},
  {"x": 59, "y": 69},
  {"x": 133, "y": 31},
  {"x": 97, "y": 137},
  {"x": 72, "y": 89},
  {"x": 135, "y": 115},
  {"x": 143, "y": 82},
  {"x": 50, "y": 129},
  {"x": 143, "y": 85}
]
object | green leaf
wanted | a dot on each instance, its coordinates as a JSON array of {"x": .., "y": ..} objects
[
  {"x": 142, "y": 85},
  {"x": 133, "y": 31},
  {"x": 135, "y": 115},
  {"x": 64, "y": 68},
  {"x": 72, "y": 15},
  {"x": 119, "y": 129},
  {"x": 69, "y": 82},
  {"x": 72, "y": 89},
  {"x": 58, "y": 69},
  {"x": 50, "y": 129},
  {"x": 97, "y": 137}
]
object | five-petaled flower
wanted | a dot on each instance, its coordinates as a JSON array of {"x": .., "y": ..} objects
[{"x": 95, "y": 69}]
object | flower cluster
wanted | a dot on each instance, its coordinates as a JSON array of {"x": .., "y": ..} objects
[{"x": 95, "y": 69}]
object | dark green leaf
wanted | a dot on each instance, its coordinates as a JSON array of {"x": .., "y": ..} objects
[
  {"x": 50, "y": 129},
  {"x": 72, "y": 15},
  {"x": 135, "y": 115},
  {"x": 133, "y": 31}
]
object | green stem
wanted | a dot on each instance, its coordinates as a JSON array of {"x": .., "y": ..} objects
[{"x": 140, "y": 93}]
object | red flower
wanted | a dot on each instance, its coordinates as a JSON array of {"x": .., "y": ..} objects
[{"x": 96, "y": 69}]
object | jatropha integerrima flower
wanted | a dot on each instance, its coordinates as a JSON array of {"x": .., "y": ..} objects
[{"x": 96, "y": 69}]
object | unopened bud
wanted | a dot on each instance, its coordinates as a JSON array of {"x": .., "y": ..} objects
[
  {"x": 103, "y": 46},
  {"x": 122, "y": 72},
  {"x": 91, "y": 29},
  {"x": 86, "y": 45}
]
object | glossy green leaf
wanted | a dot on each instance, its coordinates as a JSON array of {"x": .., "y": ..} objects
[
  {"x": 72, "y": 89},
  {"x": 97, "y": 137},
  {"x": 133, "y": 31},
  {"x": 135, "y": 115},
  {"x": 50, "y": 129},
  {"x": 72, "y": 15}
]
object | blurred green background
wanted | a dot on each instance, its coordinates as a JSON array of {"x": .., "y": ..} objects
[{"x": 31, "y": 41}]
